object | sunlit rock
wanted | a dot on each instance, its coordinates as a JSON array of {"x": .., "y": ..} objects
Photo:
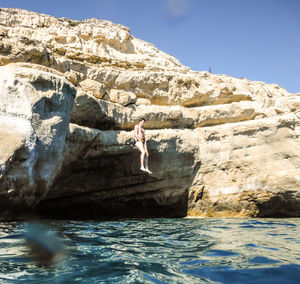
[
  {"x": 34, "y": 111},
  {"x": 219, "y": 146}
]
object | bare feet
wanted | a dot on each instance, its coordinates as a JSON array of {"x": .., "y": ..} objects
[{"x": 146, "y": 170}]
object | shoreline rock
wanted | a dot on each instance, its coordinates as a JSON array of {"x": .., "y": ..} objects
[
  {"x": 34, "y": 117},
  {"x": 72, "y": 92}
]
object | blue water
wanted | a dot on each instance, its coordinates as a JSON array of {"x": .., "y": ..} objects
[{"x": 159, "y": 251}]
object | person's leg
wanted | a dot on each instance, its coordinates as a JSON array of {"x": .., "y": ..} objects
[
  {"x": 139, "y": 145},
  {"x": 146, "y": 158}
]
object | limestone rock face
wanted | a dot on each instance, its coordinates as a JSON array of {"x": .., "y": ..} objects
[
  {"x": 63, "y": 43},
  {"x": 35, "y": 111},
  {"x": 101, "y": 171},
  {"x": 219, "y": 146},
  {"x": 91, "y": 112},
  {"x": 248, "y": 169},
  {"x": 109, "y": 54}
]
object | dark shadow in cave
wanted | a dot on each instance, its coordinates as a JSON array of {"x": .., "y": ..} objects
[{"x": 113, "y": 186}]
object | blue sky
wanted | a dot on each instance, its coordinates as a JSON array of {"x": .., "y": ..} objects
[{"x": 256, "y": 39}]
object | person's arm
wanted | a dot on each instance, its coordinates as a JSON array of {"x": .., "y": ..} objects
[{"x": 136, "y": 128}]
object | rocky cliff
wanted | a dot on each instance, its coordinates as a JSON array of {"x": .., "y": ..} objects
[{"x": 71, "y": 93}]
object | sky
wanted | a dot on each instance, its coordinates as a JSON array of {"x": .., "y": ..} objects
[{"x": 255, "y": 39}]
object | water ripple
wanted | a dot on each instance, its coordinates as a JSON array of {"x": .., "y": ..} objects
[{"x": 160, "y": 251}]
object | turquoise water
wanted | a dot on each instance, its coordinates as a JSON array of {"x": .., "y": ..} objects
[{"x": 159, "y": 251}]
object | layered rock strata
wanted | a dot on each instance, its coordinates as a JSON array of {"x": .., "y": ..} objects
[{"x": 219, "y": 146}]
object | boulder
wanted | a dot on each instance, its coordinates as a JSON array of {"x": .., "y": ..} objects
[
  {"x": 74, "y": 77},
  {"x": 122, "y": 97},
  {"x": 141, "y": 101},
  {"x": 93, "y": 87}
]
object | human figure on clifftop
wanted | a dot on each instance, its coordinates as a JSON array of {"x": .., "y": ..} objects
[{"x": 141, "y": 144}]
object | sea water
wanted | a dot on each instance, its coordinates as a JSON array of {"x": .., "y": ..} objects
[{"x": 159, "y": 251}]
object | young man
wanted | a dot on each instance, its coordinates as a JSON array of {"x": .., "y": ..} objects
[{"x": 141, "y": 144}]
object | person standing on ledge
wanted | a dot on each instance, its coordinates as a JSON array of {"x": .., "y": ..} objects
[{"x": 141, "y": 144}]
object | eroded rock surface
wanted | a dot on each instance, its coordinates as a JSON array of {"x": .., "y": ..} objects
[
  {"x": 35, "y": 111},
  {"x": 248, "y": 169},
  {"x": 101, "y": 172},
  {"x": 219, "y": 146}
]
